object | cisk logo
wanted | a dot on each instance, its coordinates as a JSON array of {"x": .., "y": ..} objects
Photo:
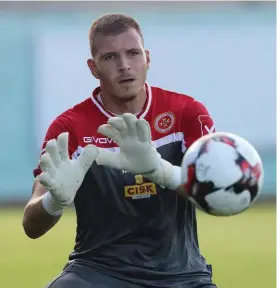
[
  {"x": 140, "y": 189},
  {"x": 96, "y": 140}
]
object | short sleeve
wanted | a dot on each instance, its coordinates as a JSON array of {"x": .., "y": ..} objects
[
  {"x": 197, "y": 122},
  {"x": 58, "y": 126}
]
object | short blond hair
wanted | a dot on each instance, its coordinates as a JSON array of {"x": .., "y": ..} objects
[{"x": 111, "y": 24}]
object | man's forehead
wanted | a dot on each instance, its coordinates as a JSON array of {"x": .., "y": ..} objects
[{"x": 128, "y": 39}]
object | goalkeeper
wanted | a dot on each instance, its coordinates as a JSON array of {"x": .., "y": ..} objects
[{"x": 134, "y": 228}]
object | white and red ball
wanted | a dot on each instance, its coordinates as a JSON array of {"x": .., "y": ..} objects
[{"x": 222, "y": 174}]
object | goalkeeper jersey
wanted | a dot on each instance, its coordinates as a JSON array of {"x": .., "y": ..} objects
[{"x": 127, "y": 226}]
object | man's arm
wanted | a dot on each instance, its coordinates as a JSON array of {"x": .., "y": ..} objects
[
  {"x": 62, "y": 178},
  {"x": 36, "y": 221}
]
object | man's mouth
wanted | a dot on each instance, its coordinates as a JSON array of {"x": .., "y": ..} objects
[{"x": 126, "y": 80}]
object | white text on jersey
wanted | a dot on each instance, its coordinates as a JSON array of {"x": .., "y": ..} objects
[{"x": 95, "y": 140}]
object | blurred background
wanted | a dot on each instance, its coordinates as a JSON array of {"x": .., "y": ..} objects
[{"x": 221, "y": 53}]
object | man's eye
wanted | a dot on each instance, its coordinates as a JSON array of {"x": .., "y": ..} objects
[
  {"x": 108, "y": 57},
  {"x": 133, "y": 53}
]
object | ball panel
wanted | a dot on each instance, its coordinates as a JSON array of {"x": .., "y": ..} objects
[
  {"x": 226, "y": 202},
  {"x": 251, "y": 177},
  {"x": 218, "y": 165}
]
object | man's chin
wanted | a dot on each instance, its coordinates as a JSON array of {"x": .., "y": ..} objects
[
  {"x": 127, "y": 97},
  {"x": 128, "y": 94}
]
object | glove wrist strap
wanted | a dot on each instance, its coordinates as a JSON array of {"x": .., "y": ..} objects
[
  {"x": 51, "y": 206},
  {"x": 167, "y": 175},
  {"x": 175, "y": 181}
]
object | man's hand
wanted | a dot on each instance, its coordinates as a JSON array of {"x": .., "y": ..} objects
[
  {"x": 137, "y": 153},
  {"x": 62, "y": 176}
]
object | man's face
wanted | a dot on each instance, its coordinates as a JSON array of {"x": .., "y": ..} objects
[{"x": 120, "y": 63}]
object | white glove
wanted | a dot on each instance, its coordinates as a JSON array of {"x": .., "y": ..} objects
[
  {"x": 61, "y": 176},
  {"x": 137, "y": 153}
]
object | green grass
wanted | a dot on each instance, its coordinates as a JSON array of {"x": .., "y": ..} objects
[{"x": 241, "y": 249}]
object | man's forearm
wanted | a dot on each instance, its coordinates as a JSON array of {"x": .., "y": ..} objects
[{"x": 36, "y": 220}]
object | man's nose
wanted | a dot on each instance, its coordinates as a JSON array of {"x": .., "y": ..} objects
[{"x": 123, "y": 64}]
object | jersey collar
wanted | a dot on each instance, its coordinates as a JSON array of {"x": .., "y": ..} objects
[{"x": 108, "y": 114}]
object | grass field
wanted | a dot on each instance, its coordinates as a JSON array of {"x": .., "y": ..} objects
[{"x": 241, "y": 249}]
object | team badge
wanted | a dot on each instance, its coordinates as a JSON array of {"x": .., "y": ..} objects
[{"x": 164, "y": 122}]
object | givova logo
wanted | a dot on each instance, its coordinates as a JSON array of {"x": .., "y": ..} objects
[{"x": 95, "y": 140}]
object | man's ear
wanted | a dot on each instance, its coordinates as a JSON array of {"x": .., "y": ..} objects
[
  {"x": 147, "y": 53},
  {"x": 92, "y": 67}
]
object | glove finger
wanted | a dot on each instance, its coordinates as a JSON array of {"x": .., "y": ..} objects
[
  {"x": 130, "y": 121},
  {"x": 47, "y": 165},
  {"x": 87, "y": 157},
  {"x": 52, "y": 149},
  {"x": 62, "y": 145},
  {"x": 143, "y": 131},
  {"x": 118, "y": 124},
  {"x": 46, "y": 180},
  {"x": 108, "y": 131},
  {"x": 109, "y": 159}
]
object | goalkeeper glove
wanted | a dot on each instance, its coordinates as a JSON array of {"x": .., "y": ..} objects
[
  {"x": 61, "y": 176},
  {"x": 137, "y": 153}
]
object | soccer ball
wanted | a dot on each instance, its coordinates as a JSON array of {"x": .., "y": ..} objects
[{"x": 222, "y": 174}]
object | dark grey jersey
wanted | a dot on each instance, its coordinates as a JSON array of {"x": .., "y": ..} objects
[{"x": 127, "y": 226}]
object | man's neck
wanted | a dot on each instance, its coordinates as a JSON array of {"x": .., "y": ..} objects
[{"x": 118, "y": 107}]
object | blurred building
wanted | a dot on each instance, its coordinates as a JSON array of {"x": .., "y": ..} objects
[{"x": 222, "y": 53}]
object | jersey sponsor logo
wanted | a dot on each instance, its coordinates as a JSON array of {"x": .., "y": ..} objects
[
  {"x": 206, "y": 124},
  {"x": 141, "y": 189},
  {"x": 164, "y": 122},
  {"x": 96, "y": 140}
]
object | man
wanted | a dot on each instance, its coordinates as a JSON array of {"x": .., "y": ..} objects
[{"x": 134, "y": 229}]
